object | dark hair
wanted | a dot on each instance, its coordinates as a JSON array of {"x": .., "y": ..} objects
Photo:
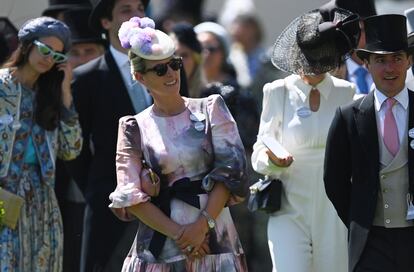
[
  {"x": 48, "y": 88},
  {"x": 249, "y": 19},
  {"x": 107, "y": 10}
]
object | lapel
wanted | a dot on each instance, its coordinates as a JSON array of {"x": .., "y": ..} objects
[
  {"x": 115, "y": 86},
  {"x": 410, "y": 150},
  {"x": 366, "y": 125}
]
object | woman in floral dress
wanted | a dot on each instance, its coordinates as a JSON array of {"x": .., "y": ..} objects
[
  {"x": 194, "y": 148},
  {"x": 37, "y": 124}
]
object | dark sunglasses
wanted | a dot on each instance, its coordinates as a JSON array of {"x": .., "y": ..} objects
[
  {"x": 46, "y": 51},
  {"x": 162, "y": 68}
]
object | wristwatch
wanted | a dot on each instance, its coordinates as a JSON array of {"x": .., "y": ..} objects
[{"x": 210, "y": 221}]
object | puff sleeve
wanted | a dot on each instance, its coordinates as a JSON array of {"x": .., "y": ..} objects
[
  {"x": 128, "y": 191},
  {"x": 229, "y": 155}
]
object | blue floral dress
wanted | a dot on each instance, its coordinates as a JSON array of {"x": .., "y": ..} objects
[{"x": 36, "y": 244}]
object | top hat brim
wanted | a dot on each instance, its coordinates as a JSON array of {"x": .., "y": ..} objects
[
  {"x": 97, "y": 14},
  {"x": 288, "y": 56},
  {"x": 364, "y": 53},
  {"x": 56, "y": 8}
]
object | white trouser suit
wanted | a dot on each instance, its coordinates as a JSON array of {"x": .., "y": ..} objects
[{"x": 306, "y": 235}]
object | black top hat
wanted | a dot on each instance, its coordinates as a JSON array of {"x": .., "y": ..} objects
[
  {"x": 60, "y": 5},
  {"x": 364, "y": 8},
  {"x": 312, "y": 46},
  {"x": 385, "y": 34},
  {"x": 99, "y": 11},
  {"x": 77, "y": 20}
]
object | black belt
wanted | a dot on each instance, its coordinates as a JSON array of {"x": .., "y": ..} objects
[{"x": 182, "y": 189}]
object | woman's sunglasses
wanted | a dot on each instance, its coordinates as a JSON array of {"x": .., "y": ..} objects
[
  {"x": 162, "y": 68},
  {"x": 45, "y": 51}
]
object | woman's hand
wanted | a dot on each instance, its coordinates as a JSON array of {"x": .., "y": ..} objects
[
  {"x": 203, "y": 250},
  {"x": 193, "y": 236},
  {"x": 66, "y": 68},
  {"x": 281, "y": 162}
]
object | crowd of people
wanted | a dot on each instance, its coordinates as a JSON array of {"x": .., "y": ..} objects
[{"x": 129, "y": 142}]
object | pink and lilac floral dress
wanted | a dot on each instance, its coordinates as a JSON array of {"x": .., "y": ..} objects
[{"x": 200, "y": 145}]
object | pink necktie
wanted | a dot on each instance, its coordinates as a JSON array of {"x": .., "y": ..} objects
[{"x": 391, "y": 139}]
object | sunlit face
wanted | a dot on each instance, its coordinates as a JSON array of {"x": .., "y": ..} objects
[
  {"x": 186, "y": 54},
  {"x": 164, "y": 85},
  {"x": 81, "y": 53},
  {"x": 123, "y": 11},
  {"x": 213, "y": 55},
  {"x": 40, "y": 63},
  {"x": 389, "y": 71}
]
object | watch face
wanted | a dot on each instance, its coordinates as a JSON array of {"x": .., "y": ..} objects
[{"x": 211, "y": 224}]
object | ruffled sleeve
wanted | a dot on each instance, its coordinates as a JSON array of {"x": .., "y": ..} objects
[
  {"x": 229, "y": 155},
  {"x": 128, "y": 166}
]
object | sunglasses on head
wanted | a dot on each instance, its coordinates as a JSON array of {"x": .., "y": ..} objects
[
  {"x": 46, "y": 51},
  {"x": 162, "y": 68}
]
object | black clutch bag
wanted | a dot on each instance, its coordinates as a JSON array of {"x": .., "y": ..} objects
[{"x": 265, "y": 195}]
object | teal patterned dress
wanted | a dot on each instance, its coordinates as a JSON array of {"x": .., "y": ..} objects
[{"x": 27, "y": 168}]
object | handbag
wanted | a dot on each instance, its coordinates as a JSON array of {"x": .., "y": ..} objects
[
  {"x": 12, "y": 204},
  {"x": 265, "y": 195}
]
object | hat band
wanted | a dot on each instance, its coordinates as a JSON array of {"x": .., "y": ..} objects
[{"x": 386, "y": 47}]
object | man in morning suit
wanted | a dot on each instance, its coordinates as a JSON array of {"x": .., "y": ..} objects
[
  {"x": 104, "y": 92},
  {"x": 369, "y": 160}
]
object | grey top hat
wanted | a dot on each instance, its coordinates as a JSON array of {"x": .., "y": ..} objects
[
  {"x": 77, "y": 21},
  {"x": 312, "y": 46},
  {"x": 385, "y": 34},
  {"x": 409, "y": 13},
  {"x": 99, "y": 9}
]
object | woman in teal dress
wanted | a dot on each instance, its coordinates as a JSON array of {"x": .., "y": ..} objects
[
  {"x": 194, "y": 147},
  {"x": 37, "y": 124}
]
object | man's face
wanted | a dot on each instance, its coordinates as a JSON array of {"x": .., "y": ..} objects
[
  {"x": 81, "y": 53},
  {"x": 123, "y": 10},
  {"x": 389, "y": 71}
]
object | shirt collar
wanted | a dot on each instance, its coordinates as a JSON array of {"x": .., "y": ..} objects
[
  {"x": 121, "y": 59},
  {"x": 401, "y": 97},
  {"x": 324, "y": 87}
]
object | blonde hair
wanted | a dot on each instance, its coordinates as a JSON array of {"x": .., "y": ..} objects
[{"x": 137, "y": 63}]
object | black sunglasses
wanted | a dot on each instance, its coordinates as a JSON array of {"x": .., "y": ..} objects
[{"x": 162, "y": 68}]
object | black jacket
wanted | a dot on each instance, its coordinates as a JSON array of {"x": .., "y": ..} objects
[{"x": 352, "y": 168}]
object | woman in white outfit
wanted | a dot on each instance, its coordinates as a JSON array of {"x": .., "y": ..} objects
[{"x": 305, "y": 235}]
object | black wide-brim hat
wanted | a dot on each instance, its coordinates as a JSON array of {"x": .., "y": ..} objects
[
  {"x": 61, "y": 5},
  {"x": 77, "y": 20},
  {"x": 385, "y": 34},
  {"x": 98, "y": 11},
  {"x": 311, "y": 46}
]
